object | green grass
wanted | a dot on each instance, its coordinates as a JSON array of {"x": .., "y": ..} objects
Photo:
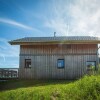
[{"x": 87, "y": 88}]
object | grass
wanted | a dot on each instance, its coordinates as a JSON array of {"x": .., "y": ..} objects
[{"x": 87, "y": 88}]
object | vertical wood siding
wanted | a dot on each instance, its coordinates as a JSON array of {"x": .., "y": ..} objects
[{"x": 44, "y": 60}]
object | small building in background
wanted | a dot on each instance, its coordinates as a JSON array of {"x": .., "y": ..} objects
[
  {"x": 65, "y": 57},
  {"x": 8, "y": 73}
]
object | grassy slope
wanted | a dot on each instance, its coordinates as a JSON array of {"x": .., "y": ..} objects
[{"x": 87, "y": 88}]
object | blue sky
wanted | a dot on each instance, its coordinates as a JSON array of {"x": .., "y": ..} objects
[{"x": 33, "y": 18}]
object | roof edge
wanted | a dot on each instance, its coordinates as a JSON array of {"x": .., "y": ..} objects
[{"x": 53, "y": 42}]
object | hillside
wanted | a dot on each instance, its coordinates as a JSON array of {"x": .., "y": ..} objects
[{"x": 87, "y": 88}]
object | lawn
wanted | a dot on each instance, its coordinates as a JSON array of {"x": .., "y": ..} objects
[{"x": 87, "y": 88}]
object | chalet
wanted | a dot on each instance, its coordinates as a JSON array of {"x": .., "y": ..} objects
[{"x": 65, "y": 57}]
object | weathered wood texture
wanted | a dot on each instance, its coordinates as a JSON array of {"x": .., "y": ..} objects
[{"x": 44, "y": 60}]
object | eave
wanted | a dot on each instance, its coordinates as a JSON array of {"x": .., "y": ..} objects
[{"x": 53, "y": 42}]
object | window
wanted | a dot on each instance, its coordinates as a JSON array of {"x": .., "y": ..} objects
[
  {"x": 91, "y": 65},
  {"x": 60, "y": 63},
  {"x": 27, "y": 63}
]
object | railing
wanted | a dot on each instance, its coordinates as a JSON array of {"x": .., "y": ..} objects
[{"x": 6, "y": 73}]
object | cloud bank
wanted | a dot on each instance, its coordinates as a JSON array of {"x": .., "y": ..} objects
[{"x": 75, "y": 17}]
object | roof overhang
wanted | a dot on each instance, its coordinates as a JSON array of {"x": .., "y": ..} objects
[{"x": 53, "y": 42}]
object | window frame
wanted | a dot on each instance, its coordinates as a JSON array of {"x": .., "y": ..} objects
[
  {"x": 26, "y": 63},
  {"x": 63, "y": 64}
]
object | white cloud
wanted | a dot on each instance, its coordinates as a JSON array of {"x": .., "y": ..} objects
[
  {"x": 60, "y": 27},
  {"x": 6, "y": 50},
  {"x": 57, "y": 20},
  {"x": 8, "y": 54},
  {"x": 82, "y": 17},
  {"x": 12, "y": 22},
  {"x": 86, "y": 17}
]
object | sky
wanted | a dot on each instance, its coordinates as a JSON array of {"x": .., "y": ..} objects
[{"x": 41, "y": 18}]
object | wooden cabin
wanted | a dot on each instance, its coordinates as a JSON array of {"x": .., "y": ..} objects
[{"x": 62, "y": 57}]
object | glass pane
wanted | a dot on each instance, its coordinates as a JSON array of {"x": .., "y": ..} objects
[{"x": 60, "y": 63}]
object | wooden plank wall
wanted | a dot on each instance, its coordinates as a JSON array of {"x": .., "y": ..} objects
[{"x": 44, "y": 60}]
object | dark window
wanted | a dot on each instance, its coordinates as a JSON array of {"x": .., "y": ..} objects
[
  {"x": 27, "y": 63},
  {"x": 60, "y": 63}
]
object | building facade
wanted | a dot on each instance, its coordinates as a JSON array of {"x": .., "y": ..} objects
[
  {"x": 57, "y": 57},
  {"x": 8, "y": 73}
]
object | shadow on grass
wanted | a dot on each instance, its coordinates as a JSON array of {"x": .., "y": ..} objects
[{"x": 15, "y": 84}]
